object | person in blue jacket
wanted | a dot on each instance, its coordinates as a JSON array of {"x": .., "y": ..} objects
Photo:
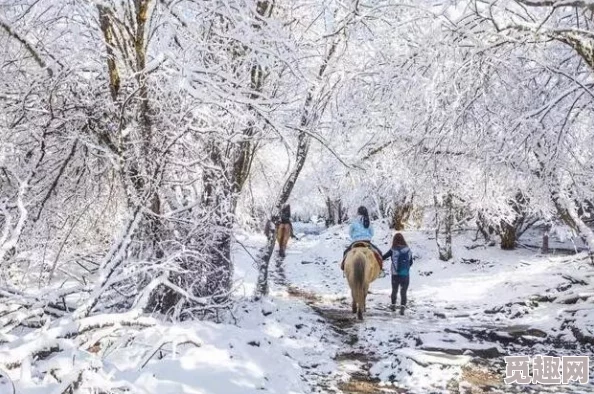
[
  {"x": 361, "y": 230},
  {"x": 402, "y": 260}
]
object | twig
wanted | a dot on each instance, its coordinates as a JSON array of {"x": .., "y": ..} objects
[{"x": 157, "y": 349}]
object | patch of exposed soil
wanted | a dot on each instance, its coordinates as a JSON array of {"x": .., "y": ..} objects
[
  {"x": 343, "y": 322},
  {"x": 362, "y": 386},
  {"x": 340, "y": 319},
  {"x": 354, "y": 356},
  {"x": 481, "y": 378},
  {"x": 484, "y": 374},
  {"x": 307, "y": 296}
]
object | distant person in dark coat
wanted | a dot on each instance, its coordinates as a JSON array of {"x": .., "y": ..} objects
[{"x": 285, "y": 218}]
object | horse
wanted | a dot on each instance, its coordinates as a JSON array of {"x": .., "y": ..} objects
[
  {"x": 360, "y": 269},
  {"x": 283, "y": 233}
]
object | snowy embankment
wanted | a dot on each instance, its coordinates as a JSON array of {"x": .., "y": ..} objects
[
  {"x": 463, "y": 317},
  {"x": 263, "y": 346}
]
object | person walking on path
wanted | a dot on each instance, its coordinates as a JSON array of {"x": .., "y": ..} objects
[{"x": 402, "y": 260}]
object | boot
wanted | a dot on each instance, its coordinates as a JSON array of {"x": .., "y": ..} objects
[
  {"x": 402, "y": 310},
  {"x": 393, "y": 307}
]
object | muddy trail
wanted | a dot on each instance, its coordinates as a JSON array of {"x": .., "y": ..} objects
[
  {"x": 361, "y": 347},
  {"x": 354, "y": 362}
]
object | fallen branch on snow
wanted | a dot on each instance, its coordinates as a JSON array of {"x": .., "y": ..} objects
[{"x": 43, "y": 341}]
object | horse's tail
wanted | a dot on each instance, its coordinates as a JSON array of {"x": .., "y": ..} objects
[{"x": 359, "y": 284}]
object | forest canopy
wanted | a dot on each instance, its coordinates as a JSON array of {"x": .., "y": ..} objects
[{"x": 136, "y": 135}]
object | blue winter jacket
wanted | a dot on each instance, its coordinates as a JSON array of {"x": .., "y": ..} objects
[{"x": 358, "y": 232}]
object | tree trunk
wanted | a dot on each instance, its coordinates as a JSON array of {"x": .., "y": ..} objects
[
  {"x": 568, "y": 213},
  {"x": 486, "y": 229},
  {"x": 508, "y": 236},
  {"x": 224, "y": 180},
  {"x": 247, "y": 148},
  {"x": 511, "y": 231},
  {"x": 331, "y": 217},
  {"x": 335, "y": 212},
  {"x": 266, "y": 254},
  {"x": 449, "y": 223},
  {"x": 565, "y": 206},
  {"x": 545, "y": 239},
  {"x": 445, "y": 249},
  {"x": 401, "y": 214},
  {"x": 340, "y": 212},
  {"x": 304, "y": 141},
  {"x": 108, "y": 35}
]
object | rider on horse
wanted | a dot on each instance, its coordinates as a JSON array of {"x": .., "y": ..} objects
[
  {"x": 361, "y": 232},
  {"x": 285, "y": 218}
]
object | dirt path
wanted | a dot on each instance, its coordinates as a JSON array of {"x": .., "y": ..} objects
[
  {"x": 354, "y": 361},
  {"x": 365, "y": 344}
]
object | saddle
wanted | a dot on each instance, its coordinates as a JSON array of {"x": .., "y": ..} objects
[{"x": 364, "y": 244}]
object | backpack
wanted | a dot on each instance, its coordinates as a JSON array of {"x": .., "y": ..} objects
[{"x": 401, "y": 264}]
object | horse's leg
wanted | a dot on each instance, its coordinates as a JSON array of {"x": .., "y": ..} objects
[
  {"x": 354, "y": 305},
  {"x": 286, "y": 238},
  {"x": 365, "y": 290},
  {"x": 361, "y": 303}
]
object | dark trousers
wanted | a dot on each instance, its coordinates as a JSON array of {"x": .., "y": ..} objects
[{"x": 402, "y": 282}]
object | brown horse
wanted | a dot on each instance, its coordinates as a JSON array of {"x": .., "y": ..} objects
[
  {"x": 360, "y": 269},
  {"x": 283, "y": 233}
]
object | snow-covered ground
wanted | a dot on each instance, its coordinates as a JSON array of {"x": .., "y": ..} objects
[{"x": 464, "y": 316}]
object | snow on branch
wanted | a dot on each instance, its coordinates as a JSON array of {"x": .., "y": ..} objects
[
  {"x": 44, "y": 341},
  {"x": 11, "y": 233},
  {"x": 559, "y": 3},
  {"x": 28, "y": 46}
]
